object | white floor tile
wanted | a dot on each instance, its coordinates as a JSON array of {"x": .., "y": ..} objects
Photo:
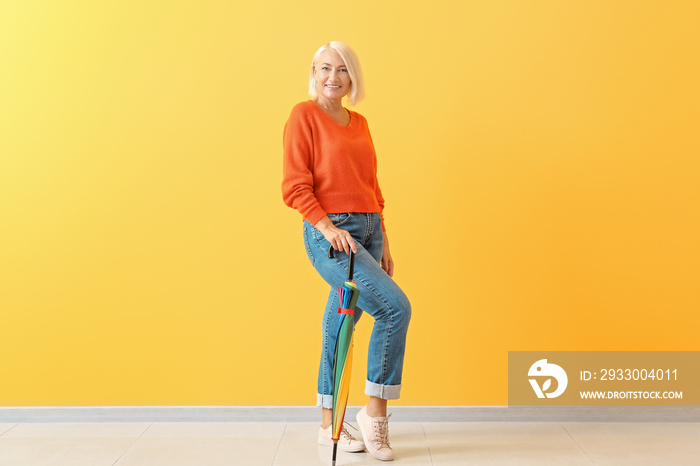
[
  {"x": 206, "y": 443},
  {"x": 215, "y": 430},
  {"x": 299, "y": 447},
  {"x": 77, "y": 430},
  {"x": 502, "y": 443},
  {"x": 507, "y": 433},
  {"x": 638, "y": 444},
  {"x": 199, "y": 451},
  {"x": 508, "y": 455},
  {"x": 61, "y": 451},
  {"x": 615, "y": 431},
  {"x": 295, "y": 444},
  {"x": 409, "y": 443}
]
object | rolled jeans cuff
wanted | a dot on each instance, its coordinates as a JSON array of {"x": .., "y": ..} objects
[
  {"x": 324, "y": 401},
  {"x": 385, "y": 392}
]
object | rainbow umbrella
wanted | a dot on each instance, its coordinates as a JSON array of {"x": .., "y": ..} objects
[{"x": 342, "y": 361}]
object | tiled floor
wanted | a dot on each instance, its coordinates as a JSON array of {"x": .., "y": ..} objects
[{"x": 415, "y": 443}]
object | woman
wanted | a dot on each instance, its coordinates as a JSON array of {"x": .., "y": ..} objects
[{"x": 330, "y": 176}]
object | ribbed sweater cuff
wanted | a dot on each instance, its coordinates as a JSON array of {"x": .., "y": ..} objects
[{"x": 315, "y": 215}]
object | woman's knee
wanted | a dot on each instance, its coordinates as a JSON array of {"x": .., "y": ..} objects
[
  {"x": 405, "y": 306},
  {"x": 397, "y": 308}
]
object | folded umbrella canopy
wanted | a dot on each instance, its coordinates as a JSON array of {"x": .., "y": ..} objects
[{"x": 342, "y": 361}]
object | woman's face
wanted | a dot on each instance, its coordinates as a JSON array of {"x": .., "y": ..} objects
[{"x": 332, "y": 77}]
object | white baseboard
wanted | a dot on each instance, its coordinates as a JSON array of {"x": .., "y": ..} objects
[{"x": 311, "y": 414}]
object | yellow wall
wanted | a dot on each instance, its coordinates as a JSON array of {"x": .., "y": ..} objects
[{"x": 539, "y": 160}]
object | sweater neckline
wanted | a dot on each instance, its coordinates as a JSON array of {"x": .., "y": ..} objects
[{"x": 329, "y": 118}]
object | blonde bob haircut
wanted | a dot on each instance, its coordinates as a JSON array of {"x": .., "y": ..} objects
[{"x": 357, "y": 83}]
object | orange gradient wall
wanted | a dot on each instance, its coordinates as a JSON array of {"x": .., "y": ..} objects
[{"x": 539, "y": 161}]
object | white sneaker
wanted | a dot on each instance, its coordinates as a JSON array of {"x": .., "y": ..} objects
[
  {"x": 375, "y": 431},
  {"x": 346, "y": 442}
]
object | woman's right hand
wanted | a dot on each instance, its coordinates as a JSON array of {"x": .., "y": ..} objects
[{"x": 339, "y": 239}]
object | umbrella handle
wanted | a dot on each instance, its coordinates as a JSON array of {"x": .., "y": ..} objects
[{"x": 351, "y": 266}]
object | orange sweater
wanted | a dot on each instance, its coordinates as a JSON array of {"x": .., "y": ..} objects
[{"x": 329, "y": 168}]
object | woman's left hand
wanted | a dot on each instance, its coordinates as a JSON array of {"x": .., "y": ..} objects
[{"x": 387, "y": 261}]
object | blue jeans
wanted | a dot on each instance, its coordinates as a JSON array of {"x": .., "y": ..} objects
[{"x": 380, "y": 297}]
